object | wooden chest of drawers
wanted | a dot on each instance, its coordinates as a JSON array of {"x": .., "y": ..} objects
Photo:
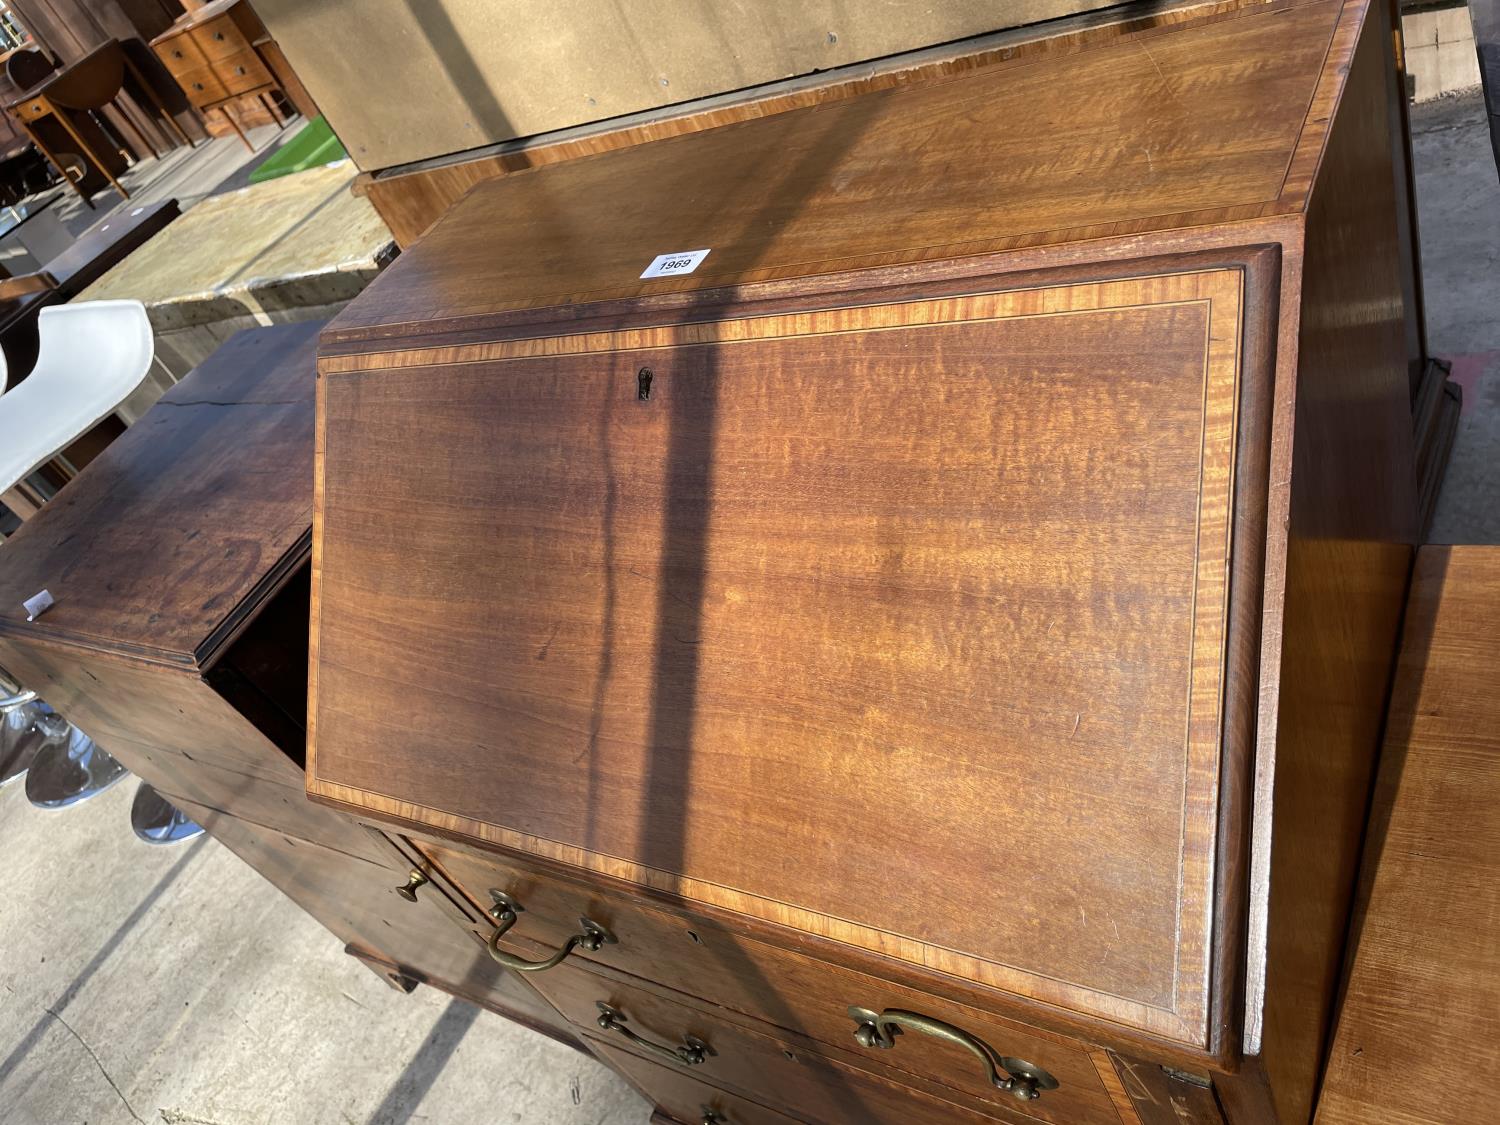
[
  {"x": 922, "y": 572},
  {"x": 221, "y": 54}
]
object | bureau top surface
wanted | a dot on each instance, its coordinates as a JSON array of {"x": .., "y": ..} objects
[
  {"x": 172, "y": 537},
  {"x": 1219, "y": 118}
]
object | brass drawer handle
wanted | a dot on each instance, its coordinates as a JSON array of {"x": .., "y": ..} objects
[
  {"x": 693, "y": 1051},
  {"x": 711, "y": 1116},
  {"x": 1024, "y": 1081},
  {"x": 504, "y": 913},
  {"x": 413, "y": 881}
]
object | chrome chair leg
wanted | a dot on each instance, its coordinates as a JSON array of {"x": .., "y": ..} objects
[
  {"x": 70, "y": 768},
  {"x": 156, "y": 820},
  {"x": 20, "y": 738}
]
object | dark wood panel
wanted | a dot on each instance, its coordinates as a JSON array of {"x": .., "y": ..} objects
[
  {"x": 1204, "y": 118},
  {"x": 1160, "y": 1096},
  {"x": 202, "y": 510},
  {"x": 1352, "y": 520},
  {"x": 942, "y": 628},
  {"x": 1423, "y": 993}
]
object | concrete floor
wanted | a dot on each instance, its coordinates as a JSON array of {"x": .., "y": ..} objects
[
  {"x": 1458, "y": 205},
  {"x": 175, "y": 986}
]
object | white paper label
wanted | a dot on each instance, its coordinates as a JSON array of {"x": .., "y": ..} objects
[{"x": 670, "y": 265}]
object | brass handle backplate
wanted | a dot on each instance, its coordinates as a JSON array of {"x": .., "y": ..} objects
[
  {"x": 1022, "y": 1080},
  {"x": 505, "y": 911},
  {"x": 413, "y": 881},
  {"x": 693, "y": 1051}
]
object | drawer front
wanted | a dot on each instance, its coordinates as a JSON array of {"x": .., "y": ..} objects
[
  {"x": 202, "y": 85},
  {"x": 354, "y": 899},
  {"x": 831, "y": 1096},
  {"x": 754, "y": 1059},
  {"x": 785, "y": 990},
  {"x": 180, "y": 55},
  {"x": 242, "y": 71},
  {"x": 219, "y": 38},
  {"x": 30, "y": 111}
]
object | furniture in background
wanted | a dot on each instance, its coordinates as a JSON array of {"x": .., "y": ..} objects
[
  {"x": 221, "y": 54},
  {"x": 1423, "y": 994},
  {"x": 919, "y": 574},
  {"x": 296, "y": 248},
  {"x": 180, "y": 569},
  {"x": 67, "y": 98},
  {"x": 91, "y": 254},
  {"x": 92, "y": 356}
]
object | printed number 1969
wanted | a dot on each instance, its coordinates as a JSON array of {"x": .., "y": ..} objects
[{"x": 680, "y": 262}]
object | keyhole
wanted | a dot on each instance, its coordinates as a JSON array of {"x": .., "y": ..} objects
[{"x": 643, "y": 384}]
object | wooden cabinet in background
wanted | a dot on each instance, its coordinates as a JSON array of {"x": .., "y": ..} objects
[
  {"x": 221, "y": 55},
  {"x": 950, "y": 539}
]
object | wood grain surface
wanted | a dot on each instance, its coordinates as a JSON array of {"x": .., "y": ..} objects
[
  {"x": 768, "y": 990},
  {"x": 411, "y": 197},
  {"x": 1179, "y": 125},
  {"x": 756, "y": 1059},
  {"x": 1417, "y": 1036},
  {"x": 185, "y": 524},
  {"x": 1349, "y": 527},
  {"x": 613, "y": 652}
]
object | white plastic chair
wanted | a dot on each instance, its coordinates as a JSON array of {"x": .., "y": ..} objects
[{"x": 91, "y": 356}]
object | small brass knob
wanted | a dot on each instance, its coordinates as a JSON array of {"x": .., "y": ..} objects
[
  {"x": 712, "y": 1116},
  {"x": 413, "y": 881}
]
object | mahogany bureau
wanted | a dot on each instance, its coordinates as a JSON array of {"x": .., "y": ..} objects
[{"x": 891, "y": 603}]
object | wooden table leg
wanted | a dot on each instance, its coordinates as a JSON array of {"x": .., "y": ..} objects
[
  {"x": 150, "y": 95},
  {"x": 235, "y": 125},
  {"x": 136, "y": 129},
  {"x": 77, "y": 186},
  {"x": 90, "y": 153}
]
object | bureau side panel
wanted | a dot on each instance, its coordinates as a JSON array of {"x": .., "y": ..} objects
[{"x": 1348, "y": 557}]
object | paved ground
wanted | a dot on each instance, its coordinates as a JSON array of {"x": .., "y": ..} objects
[
  {"x": 1458, "y": 202},
  {"x": 174, "y": 986}
]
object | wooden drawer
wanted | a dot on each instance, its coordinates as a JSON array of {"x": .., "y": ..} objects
[
  {"x": 832, "y": 1095},
  {"x": 759, "y": 1062},
  {"x": 31, "y": 110},
  {"x": 180, "y": 55},
  {"x": 202, "y": 85},
  {"x": 242, "y": 71},
  {"x": 219, "y": 38},
  {"x": 785, "y": 990},
  {"x": 429, "y": 939}
]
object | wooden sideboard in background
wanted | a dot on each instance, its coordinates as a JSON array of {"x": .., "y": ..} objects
[{"x": 228, "y": 65}]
